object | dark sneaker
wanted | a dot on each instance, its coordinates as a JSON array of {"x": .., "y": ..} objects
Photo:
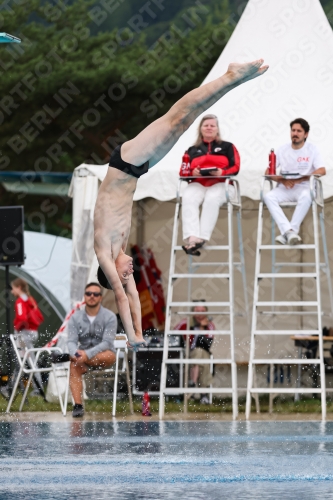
[
  {"x": 59, "y": 358},
  {"x": 78, "y": 411}
]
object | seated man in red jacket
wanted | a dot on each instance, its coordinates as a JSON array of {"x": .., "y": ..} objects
[{"x": 209, "y": 152}]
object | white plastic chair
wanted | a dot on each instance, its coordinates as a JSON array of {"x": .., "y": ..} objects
[
  {"x": 29, "y": 365},
  {"x": 120, "y": 345},
  {"x": 211, "y": 369}
]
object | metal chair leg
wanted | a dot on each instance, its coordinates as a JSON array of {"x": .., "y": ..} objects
[
  {"x": 61, "y": 401},
  {"x": 242, "y": 263},
  {"x": 67, "y": 390},
  {"x": 256, "y": 395},
  {"x": 115, "y": 385},
  {"x": 128, "y": 380},
  {"x": 26, "y": 391},
  {"x": 271, "y": 385},
  {"x": 12, "y": 397},
  {"x": 211, "y": 369}
]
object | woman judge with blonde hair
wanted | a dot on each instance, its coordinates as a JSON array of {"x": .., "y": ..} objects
[{"x": 214, "y": 158}]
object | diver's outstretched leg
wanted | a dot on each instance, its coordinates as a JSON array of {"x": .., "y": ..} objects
[{"x": 156, "y": 140}]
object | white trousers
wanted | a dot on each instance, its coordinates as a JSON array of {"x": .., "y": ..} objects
[
  {"x": 211, "y": 198},
  {"x": 300, "y": 194}
]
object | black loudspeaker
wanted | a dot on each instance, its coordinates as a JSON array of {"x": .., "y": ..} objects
[{"x": 11, "y": 236}]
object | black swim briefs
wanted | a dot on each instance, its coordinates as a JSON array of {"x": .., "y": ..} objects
[{"x": 117, "y": 162}]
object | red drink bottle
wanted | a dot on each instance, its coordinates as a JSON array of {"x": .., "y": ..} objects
[
  {"x": 272, "y": 163},
  {"x": 146, "y": 405},
  {"x": 185, "y": 166}
]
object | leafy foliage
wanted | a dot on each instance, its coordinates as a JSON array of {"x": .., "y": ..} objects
[{"x": 70, "y": 91}]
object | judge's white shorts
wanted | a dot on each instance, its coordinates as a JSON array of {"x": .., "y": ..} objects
[
  {"x": 300, "y": 193},
  {"x": 211, "y": 198}
]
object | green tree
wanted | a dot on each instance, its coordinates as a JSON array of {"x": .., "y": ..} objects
[
  {"x": 75, "y": 86},
  {"x": 69, "y": 94}
]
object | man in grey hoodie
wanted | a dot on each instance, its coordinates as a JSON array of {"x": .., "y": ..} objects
[{"x": 91, "y": 334}]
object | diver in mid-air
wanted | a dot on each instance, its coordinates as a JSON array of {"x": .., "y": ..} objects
[{"x": 128, "y": 162}]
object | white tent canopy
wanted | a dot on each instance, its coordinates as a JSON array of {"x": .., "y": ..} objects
[
  {"x": 48, "y": 260},
  {"x": 296, "y": 40}
]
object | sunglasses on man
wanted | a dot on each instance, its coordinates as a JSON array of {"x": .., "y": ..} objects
[{"x": 95, "y": 294}]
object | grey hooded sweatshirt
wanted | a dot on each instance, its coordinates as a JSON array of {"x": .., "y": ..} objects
[{"x": 92, "y": 337}]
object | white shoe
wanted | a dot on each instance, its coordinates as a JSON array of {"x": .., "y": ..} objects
[
  {"x": 293, "y": 238},
  {"x": 204, "y": 400},
  {"x": 281, "y": 239}
]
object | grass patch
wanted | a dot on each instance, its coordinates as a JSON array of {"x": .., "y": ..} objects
[{"x": 283, "y": 405}]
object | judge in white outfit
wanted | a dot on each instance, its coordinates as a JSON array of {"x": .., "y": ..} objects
[{"x": 301, "y": 159}]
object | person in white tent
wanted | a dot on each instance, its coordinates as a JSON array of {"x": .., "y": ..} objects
[{"x": 301, "y": 159}]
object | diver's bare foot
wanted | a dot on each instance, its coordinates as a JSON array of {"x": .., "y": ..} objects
[
  {"x": 241, "y": 73},
  {"x": 136, "y": 342}
]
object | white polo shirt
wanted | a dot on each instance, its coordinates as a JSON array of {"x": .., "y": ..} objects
[{"x": 302, "y": 161}]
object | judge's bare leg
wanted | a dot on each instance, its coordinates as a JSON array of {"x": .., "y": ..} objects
[
  {"x": 155, "y": 141},
  {"x": 103, "y": 359}
]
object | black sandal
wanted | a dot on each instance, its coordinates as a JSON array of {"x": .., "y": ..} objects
[{"x": 193, "y": 250}]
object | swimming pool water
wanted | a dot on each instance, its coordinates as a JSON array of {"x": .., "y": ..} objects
[{"x": 166, "y": 460}]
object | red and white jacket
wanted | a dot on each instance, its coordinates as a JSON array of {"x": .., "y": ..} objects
[
  {"x": 22, "y": 320},
  {"x": 220, "y": 154}
]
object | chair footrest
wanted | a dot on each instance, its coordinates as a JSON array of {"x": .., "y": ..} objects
[
  {"x": 202, "y": 275},
  {"x": 286, "y": 361},
  {"x": 272, "y": 390},
  {"x": 286, "y": 332},
  {"x": 208, "y": 304},
  {"x": 207, "y": 247},
  {"x": 287, "y": 275},
  {"x": 190, "y": 332},
  {"x": 301, "y": 303},
  {"x": 196, "y": 361},
  {"x": 196, "y": 390},
  {"x": 287, "y": 247}
]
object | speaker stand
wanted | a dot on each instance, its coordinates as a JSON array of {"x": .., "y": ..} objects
[
  {"x": 8, "y": 288},
  {"x": 9, "y": 351}
]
